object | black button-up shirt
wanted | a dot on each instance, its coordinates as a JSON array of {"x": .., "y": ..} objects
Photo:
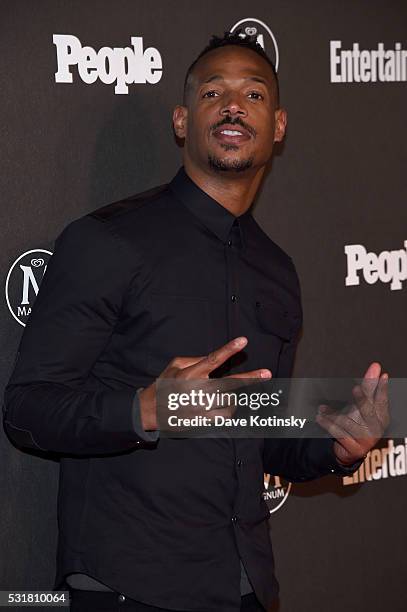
[{"x": 166, "y": 273}]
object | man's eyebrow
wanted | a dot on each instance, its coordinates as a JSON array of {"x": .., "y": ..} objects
[{"x": 257, "y": 79}]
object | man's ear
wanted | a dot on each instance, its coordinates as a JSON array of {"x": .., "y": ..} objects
[
  {"x": 280, "y": 124},
  {"x": 179, "y": 120}
]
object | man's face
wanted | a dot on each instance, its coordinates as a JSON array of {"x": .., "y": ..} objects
[{"x": 231, "y": 118}]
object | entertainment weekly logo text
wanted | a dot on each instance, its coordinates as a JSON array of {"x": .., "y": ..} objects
[
  {"x": 357, "y": 65},
  {"x": 389, "y": 267},
  {"x": 122, "y": 66},
  {"x": 381, "y": 463}
]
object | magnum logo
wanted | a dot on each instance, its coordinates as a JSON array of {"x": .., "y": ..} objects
[
  {"x": 23, "y": 282},
  {"x": 276, "y": 491}
]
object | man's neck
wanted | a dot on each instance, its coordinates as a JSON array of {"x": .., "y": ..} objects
[{"x": 234, "y": 191}]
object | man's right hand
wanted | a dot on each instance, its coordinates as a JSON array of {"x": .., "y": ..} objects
[{"x": 187, "y": 368}]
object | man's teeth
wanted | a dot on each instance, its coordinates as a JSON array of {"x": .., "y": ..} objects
[{"x": 231, "y": 133}]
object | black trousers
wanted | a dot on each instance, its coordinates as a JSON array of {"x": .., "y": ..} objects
[{"x": 100, "y": 601}]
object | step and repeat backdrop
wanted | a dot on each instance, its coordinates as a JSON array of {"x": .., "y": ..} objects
[{"x": 87, "y": 93}]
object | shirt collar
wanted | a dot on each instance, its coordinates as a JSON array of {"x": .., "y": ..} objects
[{"x": 212, "y": 214}]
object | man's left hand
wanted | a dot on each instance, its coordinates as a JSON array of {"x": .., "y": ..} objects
[{"x": 357, "y": 431}]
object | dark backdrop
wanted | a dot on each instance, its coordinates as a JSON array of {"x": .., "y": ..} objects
[{"x": 339, "y": 179}]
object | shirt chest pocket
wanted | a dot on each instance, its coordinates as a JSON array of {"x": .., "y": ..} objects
[
  {"x": 276, "y": 327},
  {"x": 180, "y": 327}
]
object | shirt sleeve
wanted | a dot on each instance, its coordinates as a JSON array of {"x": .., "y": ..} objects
[
  {"x": 47, "y": 404},
  {"x": 147, "y": 436},
  {"x": 300, "y": 459}
]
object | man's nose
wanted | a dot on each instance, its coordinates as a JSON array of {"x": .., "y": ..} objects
[{"x": 233, "y": 105}]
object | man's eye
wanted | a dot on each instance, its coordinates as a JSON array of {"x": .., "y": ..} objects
[
  {"x": 210, "y": 94},
  {"x": 256, "y": 95}
]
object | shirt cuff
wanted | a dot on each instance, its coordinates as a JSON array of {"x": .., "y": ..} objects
[
  {"x": 147, "y": 436},
  {"x": 344, "y": 470}
]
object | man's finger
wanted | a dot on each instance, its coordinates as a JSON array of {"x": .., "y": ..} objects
[
  {"x": 373, "y": 410},
  {"x": 226, "y": 412},
  {"x": 185, "y": 362},
  {"x": 349, "y": 443},
  {"x": 216, "y": 358},
  {"x": 353, "y": 427},
  {"x": 262, "y": 373},
  {"x": 370, "y": 380},
  {"x": 382, "y": 400},
  {"x": 178, "y": 363},
  {"x": 334, "y": 430},
  {"x": 364, "y": 402}
]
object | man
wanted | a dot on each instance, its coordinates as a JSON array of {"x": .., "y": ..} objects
[{"x": 178, "y": 282}]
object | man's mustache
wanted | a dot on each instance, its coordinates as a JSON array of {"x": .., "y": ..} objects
[{"x": 236, "y": 121}]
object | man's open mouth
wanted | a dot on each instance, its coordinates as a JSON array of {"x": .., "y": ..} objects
[{"x": 231, "y": 134}]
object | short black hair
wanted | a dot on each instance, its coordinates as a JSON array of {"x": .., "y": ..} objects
[{"x": 238, "y": 38}]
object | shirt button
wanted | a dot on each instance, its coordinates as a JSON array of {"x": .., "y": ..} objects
[
  {"x": 121, "y": 597},
  {"x": 229, "y": 243},
  {"x": 233, "y": 298},
  {"x": 234, "y": 519}
]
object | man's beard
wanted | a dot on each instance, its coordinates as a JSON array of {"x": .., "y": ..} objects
[{"x": 229, "y": 165}]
